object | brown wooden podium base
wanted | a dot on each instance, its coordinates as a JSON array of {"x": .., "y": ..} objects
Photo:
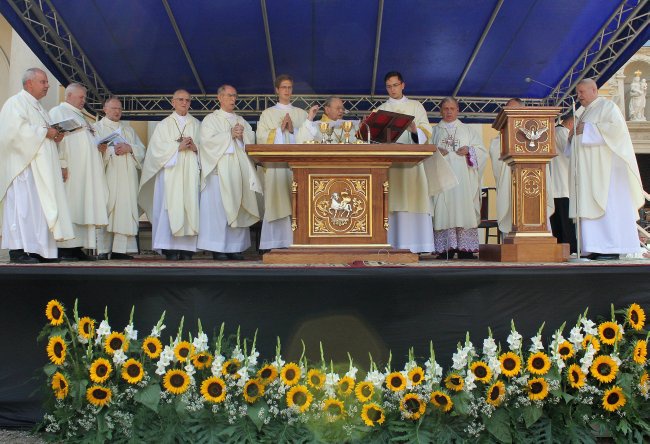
[
  {"x": 338, "y": 256},
  {"x": 526, "y": 252}
]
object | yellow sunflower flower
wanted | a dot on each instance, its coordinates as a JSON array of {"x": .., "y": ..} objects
[
  {"x": 538, "y": 363},
  {"x": 176, "y": 381},
  {"x": 290, "y": 374},
  {"x": 315, "y": 378},
  {"x": 496, "y": 393},
  {"x": 640, "y": 352},
  {"x": 604, "y": 369},
  {"x": 364, "y": 391},
  {"x": 86, "y": 327},
  {"x": 481, "y": 370},
  {"x": 183, "y": 351},
  {"x": 590, "y": 339},
  {"x": 100, "y": 370},
  {"x": 202, "y": 360},
  {"x": 152, "y": 347},
  {"x": 441, "y": 400},
  {"x": 253, "y": 390},
  {"x": 56, "y": 350},
  {"x": 345, "y": 386},
  {"x": 372, "y": 414},
  {"x": 132, "y": 371},
  {"x": 575, "y": 376},
  {"x": 537, "y": 389},
  {"x": 267, "y": 374},
  {"x": 416, "y": 375},
  {"x": 609, "y": 332},
  {"x": 60, "y": 385},
  {"x": 613, "y": 399},
  {"x": 333, "y": 409},
  {"x": 396, "y": 381},
  {"x": 54, "y": 312},
  {"x": 213, "y": 389},
  {"x": 644, "y": 383},
  {"x": 299, "y": 398},
  {"x": 231, "y": 367},
  {"x": 99, "y": 396},
  {"x": 114, "y": 342},
  {"x": 454, "y": 382},
  {"x": 510, "y": 364},
  {"x": 565, "y": 350},
  {"x": 636, "y": 317},
  {"x": 412, "y": 406}
]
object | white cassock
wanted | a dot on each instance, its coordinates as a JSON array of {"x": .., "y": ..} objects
[
  {"x": 33, "y": 208},
  {"x": 609, "y": 185},
  {"x": 123, "y": 179},
  {"x": 559, "y": 165},
  {"x": 86, "y": 187},
  {"x": 276, "y": 225},
  {"x": 457, "y": 211},
  {"x": 310, "y": 131},
  {"x": 169, "y": 187},
  {"x": 228, "y": 205}
]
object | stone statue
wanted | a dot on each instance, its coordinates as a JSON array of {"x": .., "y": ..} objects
[{"x": 638, "y": 90}]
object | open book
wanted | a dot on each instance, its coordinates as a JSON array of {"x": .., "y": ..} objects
[
  {"x": 66, "y": 126},
  {"x": 112, "y": 139}
]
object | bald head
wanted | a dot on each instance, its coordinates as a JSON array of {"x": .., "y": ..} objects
[
  {"x": 515, "y": 102},
  {"x": 587, "y": 91}
]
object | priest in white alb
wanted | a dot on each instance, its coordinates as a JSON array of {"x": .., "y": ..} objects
[
  {"x": 123, "y": 156},
  {"x": 228, "y": 205},
  {"x": 83, "y": 174},
  {"x": 333, "y": 112},
  {"x": 33, "y": 208},
  {"x": 169, "y": 187},
  {"x": 561, "y": 224}
]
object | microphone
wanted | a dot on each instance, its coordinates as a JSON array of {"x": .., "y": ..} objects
[{"x": 530, "y": 79}]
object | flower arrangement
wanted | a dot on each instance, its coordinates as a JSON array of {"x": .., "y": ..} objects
[{"x": 107, "y": 385}]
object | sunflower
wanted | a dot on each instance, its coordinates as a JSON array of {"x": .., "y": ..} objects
[
  {"x": 537, "y": 389},
  {"x": 496, "y": 393},
  {"x": 538, "y": 363},
  {"x": 290, "y": 374},
  {"x": 591, "y": 339},
  {"x": 56, "y": 350},
  {"x": 640, "y": 352},
  {"x": 609, "y": 332},
  {"x": 345, "y": 386},
  {"x": 510, "y": 364},
  {"x": 231, "y": 367},
  {"x": 565, "y": 350},
  {"x": 412, "y": 406},
  {"x": 333, "y": 409},
  {"x": 636, "y": 317},
  {"x": 213, "y": 389},
  {"x": 176, "y": 381},
  {"x": 54, "y": 312},
  {"x": 372, "y": 414},
  {"x": 481, "y": 370},
  {"x": 575, "y": 376},
  {"x": 152, "y": 347},
  {"x": 364, "y": 391},
  {"x": 613, "y": 399},
  {"x": 604, "y": 369},
  {"x": 416, "y": 375},
  {"x": 86, "y": 327},
  {"x": 299, "y": 398},
  {"x": 114, "y": 342},
  {"x": 454, "y": 382},
  {"x": 441, "y": 400},
  {"x": 98, "y": 395},
  {"x": 644, "y": 383},
  {"x": 100, "y": 370},
  {"x": 183, "y": 351},
  {"x": 132, "y": 371},
  {"x": 253, "y": 390},
  {"x": 202, "y": 360},
  {"x": 315, "y": 378},
  {"x": 267, "y": 374},
  {"x": 396, "y": 381},
  {"x": 60, "y": 385}
]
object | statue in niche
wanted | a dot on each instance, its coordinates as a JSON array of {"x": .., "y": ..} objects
[{"x": 638, "y": 90}]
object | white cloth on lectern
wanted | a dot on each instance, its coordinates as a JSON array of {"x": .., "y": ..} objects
[{"x": 160, "y": 228}]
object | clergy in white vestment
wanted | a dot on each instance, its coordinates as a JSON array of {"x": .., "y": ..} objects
[
  {"x": 334, "y": 110},
  {"x": 278, "y": 124},
  {"x": 169, "y": 187},
  {"x": 83, "y": 174},
  {"x": 33, "y": 208},
  {"x": 457, "y": 211},
  {"x": 609, "y": 192},
  {"x": 228, "y": 205},
  {"x": 123, "y": 156},
  {"x": 561, "y": 224}
]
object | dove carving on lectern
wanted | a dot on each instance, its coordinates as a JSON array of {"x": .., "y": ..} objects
[{"x": 533, "y": 134}]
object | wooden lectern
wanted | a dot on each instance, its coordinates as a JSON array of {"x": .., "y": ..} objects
[
  {"x": 339, "y": 199},
  {"x": 527, "y": 146}
]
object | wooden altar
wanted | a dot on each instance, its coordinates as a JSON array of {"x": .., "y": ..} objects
[{"x": 339, "y": 199}]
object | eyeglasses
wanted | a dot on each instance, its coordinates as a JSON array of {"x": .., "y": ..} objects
[
  {"x": 394, "y": 85},
  {"x": 231, "y": 96}
]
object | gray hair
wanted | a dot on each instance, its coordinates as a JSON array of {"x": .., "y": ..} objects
[
  {"x": 222, "y": 88},
  {"x": 449, "y": 100},
  {"x": 30, "y": 74},
  {"x": 73, "y": 87},
  {"x": 178, "y": 91},
  {"x": 111, "y": 98},
  {"x": 329, "y": 100},
  {"x": 588, "y": 81}
]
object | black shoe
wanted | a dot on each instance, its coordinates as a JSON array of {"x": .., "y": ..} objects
[
  {"x": 173, "y": 256},
  {"x": 186, "y": 255},
  {"x": 263, "y": 252},
  {"x": 219, "y": 256},
  {"x": 102, "y": 257},
  {"x": 121, "y": 257},
  {"x": 603, "y": 257},
  {"x": 20, "y": 257},
  {"x": 235, "y": 256},
  {"x": 45, "y": 260},
  {"x": 466, "y": 255},
  {"x": 446, "y": 255},
  {"x": 85, "y": 257}
]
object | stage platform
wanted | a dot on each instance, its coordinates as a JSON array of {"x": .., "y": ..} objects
[{"x": 361, "y": 307}]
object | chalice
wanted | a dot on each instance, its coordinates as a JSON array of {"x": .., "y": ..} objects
[
  {"x": 323, "y": 127},
  {"x": 347, "y": 127}
]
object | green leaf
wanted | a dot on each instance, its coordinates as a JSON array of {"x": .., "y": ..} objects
[
  {"x": 499, "y": 425},
  {"x": 461, "y": 403},
  {"x": 50, "y": 369},
  {"x": 254, "y": 413},
  {"x": 149, "y": 397},
  {"x": 531, "y": 414}
]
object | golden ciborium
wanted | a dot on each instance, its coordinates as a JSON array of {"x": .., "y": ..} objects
[
  {"x": 324, "y": 129},
  {"x": 347, "y": 127}
]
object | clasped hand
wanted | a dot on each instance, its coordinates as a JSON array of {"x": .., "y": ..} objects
[
  {"x": 238, "y": 131},
  {"x": 287, "y": 124},
  {"x": 187, "y": 144}
]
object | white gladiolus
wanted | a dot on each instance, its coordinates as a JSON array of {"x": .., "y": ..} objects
[{"x": 514, "y": 340}]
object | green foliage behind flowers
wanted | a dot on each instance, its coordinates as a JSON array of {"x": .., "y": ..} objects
[{"x": 109, "y": 385}]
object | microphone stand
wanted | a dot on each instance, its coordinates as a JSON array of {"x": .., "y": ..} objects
[{"x": 574, "y": 154}]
